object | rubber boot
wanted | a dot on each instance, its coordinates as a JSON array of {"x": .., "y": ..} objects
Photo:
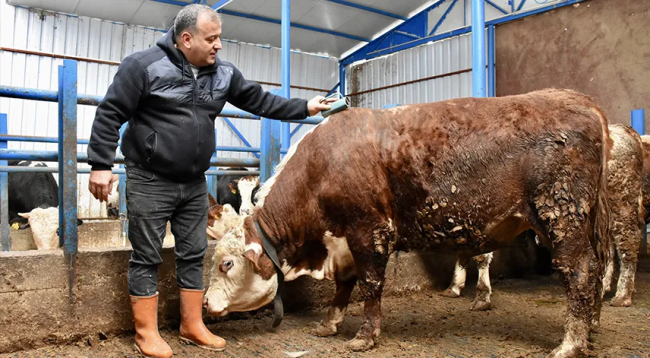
[
  {"x": 147, "y": 339},
  {"x": 193, "y": 330}
]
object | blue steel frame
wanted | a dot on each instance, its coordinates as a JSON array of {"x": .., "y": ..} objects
[
  {"x": 4, "y": 190},
  {"x": 478, "y": 48},
  {"x": 286, "y": 68},
  {"x": 638, "y": 120},
  {"x": 67, "y": 155},
  {"x": 413, "y": 31}
]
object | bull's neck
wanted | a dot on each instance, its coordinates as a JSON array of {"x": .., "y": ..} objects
[{"x": 278, "y": 231}]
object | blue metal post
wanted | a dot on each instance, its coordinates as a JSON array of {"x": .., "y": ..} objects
[
  {"x": 4, "y": 190},
  {"x": 492, "y": 88},
  {"x": 68, "y": 166},
  {"x": 638, "y": 121},
  {"x": 286, "y": 68},
  {"x": 478, "y": 48},
  {"x": 270, "y": 146}
]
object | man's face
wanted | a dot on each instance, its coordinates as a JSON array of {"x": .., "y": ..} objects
[{"x": 201, "y": 48}]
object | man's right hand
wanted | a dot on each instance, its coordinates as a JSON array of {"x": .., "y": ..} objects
[{"x": 101, "y": 184}]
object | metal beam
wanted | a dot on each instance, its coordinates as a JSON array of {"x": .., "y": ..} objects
[
  {"x": 53, "y": 156},
  {"x": 368, "y": 8},
  {"x": 173, "y": 2},
  {"x": 239, "y": 134},
  {"x": 293, "y": 24},
  {"x": 4, "y": 191},
  {"x": 491, "y": 78},
  {"x": 286, "y": 67},
  {"x": 52, "y": 96},
  {"x": 220, "y": 4},
  {"x": 478, "y": 48},
  {"x": 443, "y": 17},
  {"x": 521, "y": 4},
  {"x": 366, "y": 52},
  {"x": 497, "y": 7},
  {"x": 269, "y": 147},
  {"x": 68, "y": 230},
  {"x": 21, "y": 169}
]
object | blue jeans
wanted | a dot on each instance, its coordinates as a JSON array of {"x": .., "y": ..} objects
[{"x": 151, "y": 202}]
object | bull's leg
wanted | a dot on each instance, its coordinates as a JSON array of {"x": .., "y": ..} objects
[
  {"x": 370, "y": 250},
  {"x": 627, "y": 247},
  {"x": 336, "y": 312},
  {"x": 483, "y": 287},
  {"x": 579, "y": 267},
  {"x": 458, "y": 281}
]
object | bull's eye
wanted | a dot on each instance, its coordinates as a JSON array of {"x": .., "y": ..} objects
[{"x": 225, "y": 266}]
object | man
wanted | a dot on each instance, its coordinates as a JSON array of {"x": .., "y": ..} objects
[{"x": 171, "y": 94}]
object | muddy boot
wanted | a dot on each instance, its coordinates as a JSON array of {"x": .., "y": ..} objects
[
  {"x": 192, "y": 328},
  {"x": 147, "y": 339}
]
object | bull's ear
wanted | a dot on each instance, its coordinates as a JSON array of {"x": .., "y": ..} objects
[
  {"x": 254, "y": 257},
  {"x": 211, "y": 200},
  {"x": 25, "y": 215},
  {"x": 233, "y": 189},
  {"x": 253, "y": 242}
]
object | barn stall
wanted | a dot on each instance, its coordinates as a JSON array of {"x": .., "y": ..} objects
[{"x": 379, "y": 54}]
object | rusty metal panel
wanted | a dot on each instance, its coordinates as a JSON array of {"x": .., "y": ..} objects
[{"x": 446, "y": 60}]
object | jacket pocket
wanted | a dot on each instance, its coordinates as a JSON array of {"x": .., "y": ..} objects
[
  {"x": 150, "y": 145},
  {"x": 139, "y": 174}
]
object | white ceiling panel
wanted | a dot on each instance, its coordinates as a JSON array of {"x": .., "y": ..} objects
[
  {"x": 114, "y": 10},
  {"x": 67, "y": 6},
  {"x": 321, "y": 14}
]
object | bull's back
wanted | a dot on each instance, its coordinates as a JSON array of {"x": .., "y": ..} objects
[{"x": 458, "y": 164}]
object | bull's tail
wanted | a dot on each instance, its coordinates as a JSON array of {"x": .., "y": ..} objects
[{"x": 602, "y": 237}]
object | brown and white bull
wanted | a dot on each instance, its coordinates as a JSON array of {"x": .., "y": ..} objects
[
  {"x": 627, "y": 215},
  {"x": 464, "y": 175}
]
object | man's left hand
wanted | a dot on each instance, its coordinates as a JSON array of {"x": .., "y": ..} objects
[{"x": 318, "y": 104}]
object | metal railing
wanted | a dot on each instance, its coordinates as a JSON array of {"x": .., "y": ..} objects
[{"x": 67, "y": 155}]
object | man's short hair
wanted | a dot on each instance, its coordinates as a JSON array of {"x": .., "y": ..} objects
[{"x": 186, "y": 18}]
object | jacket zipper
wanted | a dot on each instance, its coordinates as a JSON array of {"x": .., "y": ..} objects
[{"x": 196, "y": 119}]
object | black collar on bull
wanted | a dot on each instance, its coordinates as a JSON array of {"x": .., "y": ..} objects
[{"x": 273, "y": 255}]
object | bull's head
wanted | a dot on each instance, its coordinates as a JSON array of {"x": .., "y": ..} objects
[
  {"x": 242, "y": 277},
  {"x": 44, "y": 223},
  {"x": 247, "y": 187},
  {"x": 221, "y": 218}
]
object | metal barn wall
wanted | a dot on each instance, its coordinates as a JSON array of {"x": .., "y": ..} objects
[
  {"x": 433, "y": 59},
  {"x": 35, "y": 30},
  {"x": 438, "y": 58}
]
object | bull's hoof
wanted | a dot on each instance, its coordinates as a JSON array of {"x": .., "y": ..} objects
[
  {"x": 478, "y": 305},
  {"x": 621, "y": 301},
  {"x": 595, "y": 326},
  {"x": 568, "y": 352},
  {"x": 359, "y": 345},
  {"x": 324, "y": 331},
  {"x": 449, "y": 293}
]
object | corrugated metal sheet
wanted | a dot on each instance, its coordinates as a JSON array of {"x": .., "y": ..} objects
[
  {"x": 439, "y": 58},
  {"x": 81, "y": 36}
]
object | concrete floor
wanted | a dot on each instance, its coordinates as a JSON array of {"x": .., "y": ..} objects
[{"x": 526, "y": 321}]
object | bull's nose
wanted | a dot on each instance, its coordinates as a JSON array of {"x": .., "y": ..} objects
[
  {"x": 213, "y": 310},
  {"x": 245, "y": 212}
]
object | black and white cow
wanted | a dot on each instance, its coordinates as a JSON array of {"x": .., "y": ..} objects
[
  {"x": 237, "y": 190},
  {"x": 33, "y": 202}
]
